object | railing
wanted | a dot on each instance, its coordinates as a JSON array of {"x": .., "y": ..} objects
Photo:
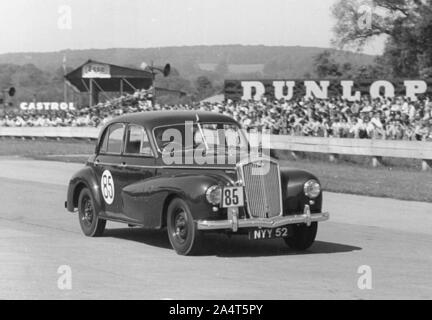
[
  {"x": 331, "y": 146},
  {"x": 362, "y": 147},
  {"x": 50, "y": 132}
]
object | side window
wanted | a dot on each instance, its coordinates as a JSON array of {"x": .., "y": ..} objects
[
  {"x": 104, "y": 142},
  {"x": 146, "y": 148},
  {"x": 113, "y": 139},
  {"x": 137, "y": 142}
]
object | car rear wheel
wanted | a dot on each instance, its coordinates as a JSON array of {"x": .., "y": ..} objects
[
  {"x": 185, "y": 238},
  {"x": 91, "y": 224},
  {"x": 303, "y": 237}
]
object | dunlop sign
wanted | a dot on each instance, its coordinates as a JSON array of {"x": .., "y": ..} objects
[{"x": 324, "y": 89}]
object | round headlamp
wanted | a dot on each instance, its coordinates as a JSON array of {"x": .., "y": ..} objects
[
  {"x": 214, "y": 195},
  {"x": 312, "y": 189}
]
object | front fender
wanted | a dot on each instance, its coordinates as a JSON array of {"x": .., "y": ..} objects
[
  {"x": 154, "y": 195},
  {"x": 83, "y": 178},
  {"x": 293, "y": 196}
]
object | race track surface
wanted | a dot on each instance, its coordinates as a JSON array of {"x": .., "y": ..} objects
[{"x": 37, "y": 236}]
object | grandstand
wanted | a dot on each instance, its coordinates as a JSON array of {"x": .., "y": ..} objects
[{"x": 386, "y": 119}]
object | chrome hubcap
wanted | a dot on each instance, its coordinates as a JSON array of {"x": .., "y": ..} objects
[
  {"x": 88, "y": 213},
  {"x": 180, "y": 227}
]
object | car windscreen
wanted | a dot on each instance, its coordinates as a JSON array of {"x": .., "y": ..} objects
[{"x": 209, "y": 136}]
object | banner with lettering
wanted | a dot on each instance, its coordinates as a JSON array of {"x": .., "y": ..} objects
[
  {"x": 47, "y": 106},
  {"x": 324, "y": 89},
  {"x": 96, "y": 70}
]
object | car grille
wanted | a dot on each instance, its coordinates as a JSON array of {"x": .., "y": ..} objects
[{"x": 262, "y": 188}]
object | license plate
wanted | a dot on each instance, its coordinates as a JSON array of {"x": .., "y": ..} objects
[
  {"x": 232, "y": 197},
  {"x": 263, "y": 234}
]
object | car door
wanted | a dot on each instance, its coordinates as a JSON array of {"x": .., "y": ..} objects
[
  {"x": 109, "y": 169},
  {"x": 139, "y": 165}
]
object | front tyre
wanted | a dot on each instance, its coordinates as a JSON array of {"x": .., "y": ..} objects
[
  {"x": 303, "y": 237},
  {"x": 182, "y": 232},
  {"x": 91, "y": 224}
]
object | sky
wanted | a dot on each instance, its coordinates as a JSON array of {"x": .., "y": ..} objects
[{"x": 53, "y": 25}]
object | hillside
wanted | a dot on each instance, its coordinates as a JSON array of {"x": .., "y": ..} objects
[
  {"x": 215, "y": 62},
  {"x": 286, "y": 61}
]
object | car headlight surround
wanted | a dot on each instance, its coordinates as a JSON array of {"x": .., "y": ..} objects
[
  {"x": 214, "y": 195},
  {"x": 312, "y": 189}
]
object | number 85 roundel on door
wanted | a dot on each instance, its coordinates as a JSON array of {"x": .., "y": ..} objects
[{"x": 107, "y": 187}]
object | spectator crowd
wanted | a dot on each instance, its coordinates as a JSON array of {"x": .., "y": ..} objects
[{"x": 383, "y": 118}]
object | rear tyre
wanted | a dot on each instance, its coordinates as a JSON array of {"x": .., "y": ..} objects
[
  {"x": 303, "y": 237},
  {"x": 183, "y": 234},
  {"x": 91, "y": 224}
]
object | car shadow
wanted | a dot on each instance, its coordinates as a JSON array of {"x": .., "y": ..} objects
[
  {"x": 220, "y": 245},
  {"x": 155, "y": 238}
]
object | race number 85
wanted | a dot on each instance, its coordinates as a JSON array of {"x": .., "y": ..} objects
[
  {"x": 232, "y": 197},
  {"x": 107, "y": 187}
]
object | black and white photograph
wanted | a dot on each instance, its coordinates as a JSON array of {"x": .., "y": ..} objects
[{"x": 215, "y": 150}]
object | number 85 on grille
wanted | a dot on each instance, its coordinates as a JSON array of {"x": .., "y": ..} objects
[{"x": 232, "y": 197}]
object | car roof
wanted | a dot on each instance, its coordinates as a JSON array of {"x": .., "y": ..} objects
[{"x": 153, "y": 119}]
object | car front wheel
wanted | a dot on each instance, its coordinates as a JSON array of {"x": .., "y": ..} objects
[
  {"x": 91, "y": 224},
  {"x": 303, "y": 237},
  {"x": 182, "y": 232}
]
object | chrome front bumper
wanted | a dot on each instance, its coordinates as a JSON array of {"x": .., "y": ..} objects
[{"x": 234, "y": 223}]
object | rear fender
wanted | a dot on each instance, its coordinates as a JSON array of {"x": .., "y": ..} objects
[{"x": 85, "y": 178}]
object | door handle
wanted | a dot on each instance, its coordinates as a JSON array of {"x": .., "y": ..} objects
[{"x": 123, "y": 165}]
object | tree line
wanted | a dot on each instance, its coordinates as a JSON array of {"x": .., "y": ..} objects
[{"x": 405, "y": 26}]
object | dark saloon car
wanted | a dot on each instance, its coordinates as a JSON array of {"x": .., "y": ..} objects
[{"x": 191, "y": 173}]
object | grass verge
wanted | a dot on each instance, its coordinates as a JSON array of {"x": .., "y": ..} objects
[
  {"x": 64, "y": 150},
  {"x": 403, "y": 184}
]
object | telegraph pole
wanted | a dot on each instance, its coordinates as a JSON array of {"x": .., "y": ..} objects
[
  {"x": 153, "y": 84},
  {"x": 165, "y": 71},
  {"x": 65, "y": 86},
  {"x": 65, "y": 93},
  {"x": 4, "y": 100}
]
